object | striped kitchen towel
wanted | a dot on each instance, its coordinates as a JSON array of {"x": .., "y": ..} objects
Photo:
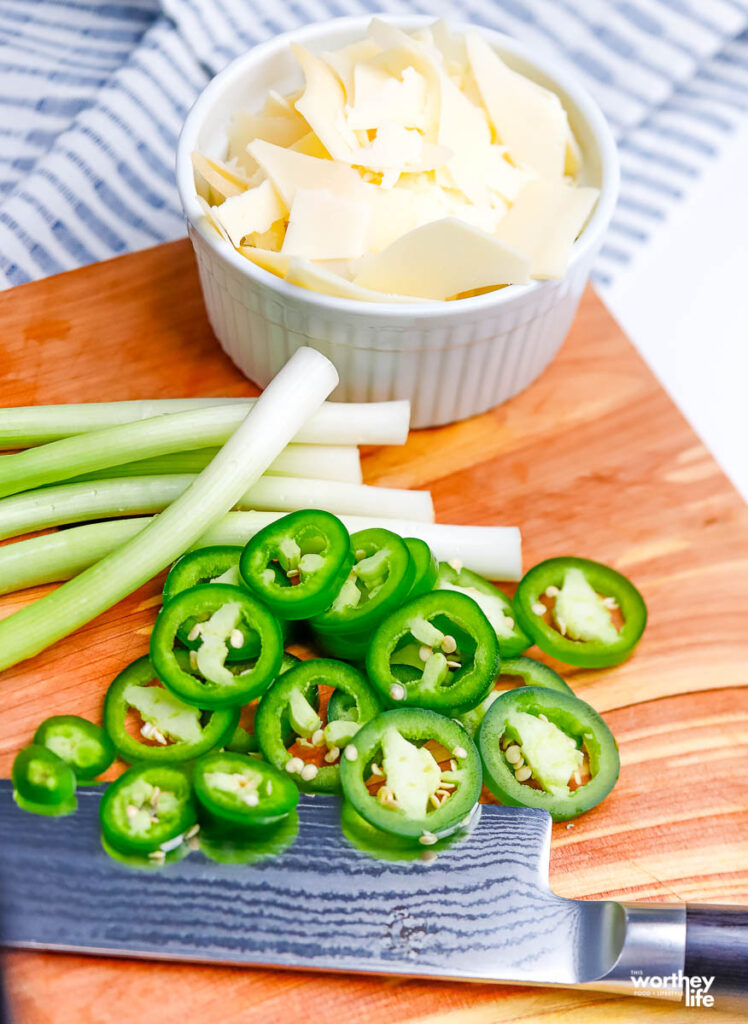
[{"x": 92, "y": 96}]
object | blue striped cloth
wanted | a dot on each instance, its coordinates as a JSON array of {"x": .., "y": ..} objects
[{"x": 92, "y": 96}]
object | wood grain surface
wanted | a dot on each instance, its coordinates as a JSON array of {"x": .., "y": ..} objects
[{"x": 592, "y": 460}]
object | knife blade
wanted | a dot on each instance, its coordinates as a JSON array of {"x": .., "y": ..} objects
[{"x": 482, "y": 910}]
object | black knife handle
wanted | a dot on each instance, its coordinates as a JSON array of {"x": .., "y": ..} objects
[{"x": 717, "y": 946}]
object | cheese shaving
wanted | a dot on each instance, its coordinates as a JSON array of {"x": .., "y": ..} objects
[
  {"x": 324, "y": 226},
  {"x": 442, "y": 259}
]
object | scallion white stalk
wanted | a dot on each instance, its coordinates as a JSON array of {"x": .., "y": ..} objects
[
  {"x": 335, "y": 423},
  {"x": 286, "y": 404},
  {"x": 493, "y": 551},
  {"x": 63, "y": 504},
  {"x": 317, "y": 461}
]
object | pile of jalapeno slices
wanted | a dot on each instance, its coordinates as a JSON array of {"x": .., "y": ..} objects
[{"x": 417, "y": 694}]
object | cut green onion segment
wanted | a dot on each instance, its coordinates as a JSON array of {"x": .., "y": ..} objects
[
  {"x": 337, "y": 423},
  {"x": 317, "y": 461},
  {"x": 493, "y": 551},
  {"x": 103, "y": 499},
  {"x": 274, "y": 419}
]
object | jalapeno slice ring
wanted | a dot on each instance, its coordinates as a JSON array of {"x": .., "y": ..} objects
[
  {"x": 42, "y": 782},
  {"x": 84, "y": 746},
  {"x": 223, "y": 615},
  {"x": 177, "y": 731},
  {"x": 397, "y": 784},
  {"x": 438, "y": 651},
  {"x": 494, "y": 604},
  {"x": 379, "y": 580},
  {"x": 530, "y": 671},
  {"x": 147, "y": 809},
  {"x": 568, "y": 745},
  {"x": 291, "y": 704},
  {"x": 425, "y": 564},
  {"x": 577, "y": 596},
  {"x": 243, "y": 740},
  {"x": 218, "y": 563},
  {"x": 298, "y": 564},
  {"x": 236, "y": 792}
]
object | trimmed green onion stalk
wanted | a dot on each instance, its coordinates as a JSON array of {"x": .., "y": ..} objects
[
  {"x": 105, "y": 499},
  {"x": 317, "y": 461},
  {"x": 295, "y": 394},
  {"x": 335, "y": 423},
  {"x": 493, "y": 551}
]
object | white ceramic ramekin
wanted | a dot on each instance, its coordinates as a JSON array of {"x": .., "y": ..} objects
[{"x": 451, "y": 359}]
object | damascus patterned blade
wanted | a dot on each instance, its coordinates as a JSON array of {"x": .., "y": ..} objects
[{"x": 481, "y": 911}]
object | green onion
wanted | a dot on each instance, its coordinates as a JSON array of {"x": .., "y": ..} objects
[
  {"x": 318, "y": 461},
  {"x": 335, "y": 423},
  {"x": 493, "y": 551},
  {"x": 277, "y": 416},
  {"x": 104, "y": 499}
]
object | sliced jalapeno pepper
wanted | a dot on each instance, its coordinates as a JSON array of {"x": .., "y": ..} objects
[
  {"x": 298, "y": 564},
  {"x": 425, "y": 564},
  {"x": 412, "y": 773},
  {"x": 569, "y": 606},
  {"x": 438, "y": 651},
  {"x": 548, "y": 749},
  {"x": 291, "y": 705},
  {"x": 239, "y": 793},
  {"x": 531, "y": 672},
  {"x": 42, "y": 782},
  {"x": 494, "y": 604},
  {"x": 148, "y": 809},
  {"x": 85, "y": 746},
  {"x": 171, "y": 729},
  {"x": 380, "y": 579},
  {"x": 341, "y": 707},
  {"x": 243, "y": 739},
  {"x": 218, "y": 563},
  {"x": 223, "y": 614}
]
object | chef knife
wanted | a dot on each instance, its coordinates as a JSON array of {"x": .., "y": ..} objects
[{"x": 481, "y": 910}]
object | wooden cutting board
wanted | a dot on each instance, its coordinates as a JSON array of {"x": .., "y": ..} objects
[{"x": 592, "y": 460}]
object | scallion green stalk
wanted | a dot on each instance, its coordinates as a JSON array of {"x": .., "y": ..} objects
[
  {"x": 493, "y": 551},
  {"x": 63, "y": 504},
  {"x": 286, "y": 404},
  {"x": 317, "y": 461},
  {"x": 335, "y": 423}
]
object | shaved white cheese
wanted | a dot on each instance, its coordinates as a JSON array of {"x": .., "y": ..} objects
[
  {"x": 218, "y": 176},
  {"x": 382, "y": 98},
  {"x": 399, "y": 52},
  {"x": 274, "y": 262},
  {"x": 271, "y": 239},
  {"x": 210, "y": 218},
  {"x": 323, "y": 104},
  {"x": 322, "y": 279},
  {"x": 400, "y": 149},
  {"x": 253, "y": 211},
  {"x": 464, "y": 129},
  {"x": 245, "y": 128},
  {"x": 290, "y": 171},
  {"x": 442, "y": 259},
  {"x": 528, "y": 119},
  {"x": 324, "y": 226},
  {"x": 450, "y": 46},
  {"x": 573, "y": 158},
  {"x": 544, "y": 221},
  {"x": 310, "y": 145},
  {"x": 503, "y": 177},
  {"x": 278, "y": 106},
  {"x": 344, "y": 62}
]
